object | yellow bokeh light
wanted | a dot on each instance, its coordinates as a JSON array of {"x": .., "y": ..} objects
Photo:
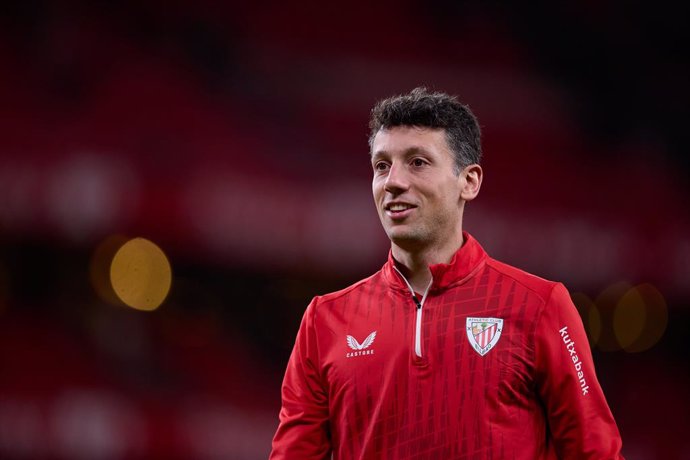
[
  {"x": 629, "y": 318},
  {"x": 641, "y": 318},
  {"x": 607, "y": 302},
  {"x": 140, "y": 274},
  {"x": 590, "y": 316},
  {"x": 99, "y": 268}
]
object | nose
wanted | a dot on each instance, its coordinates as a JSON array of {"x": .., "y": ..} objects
[{"x": 396, "y": 180}]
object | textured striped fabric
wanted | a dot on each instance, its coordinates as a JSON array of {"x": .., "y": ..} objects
[{"x": 495, "y": 379}]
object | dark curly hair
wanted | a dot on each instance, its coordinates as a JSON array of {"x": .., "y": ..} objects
[{"x": 432, "y": 110}]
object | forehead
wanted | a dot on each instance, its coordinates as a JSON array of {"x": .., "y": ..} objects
[{"x": 401, "y": 139}]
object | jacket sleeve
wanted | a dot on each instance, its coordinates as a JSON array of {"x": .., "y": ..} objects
[
  {"x": 579, "y": 419},
  {"x": 303, "y": 430}
]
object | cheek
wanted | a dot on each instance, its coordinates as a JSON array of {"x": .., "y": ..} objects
[
  {"x": 376, "y": 189},
  {"x": 451, "y": 191},
  {"x": 446, "y": 201}
]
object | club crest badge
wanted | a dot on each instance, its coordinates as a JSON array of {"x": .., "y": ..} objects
[{"x": 483, "y": 333}]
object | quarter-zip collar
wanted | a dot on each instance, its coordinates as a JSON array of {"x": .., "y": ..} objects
[{"x": 468, "y": 259}]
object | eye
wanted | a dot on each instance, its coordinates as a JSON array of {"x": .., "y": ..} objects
[
  {"x": 380, "y": 166},
  {"x": 418, "y": 162}
]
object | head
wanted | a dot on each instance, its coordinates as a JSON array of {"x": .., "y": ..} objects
[
  {"x": 423, "y": 109},
  {"x": 425, "y": 149}
]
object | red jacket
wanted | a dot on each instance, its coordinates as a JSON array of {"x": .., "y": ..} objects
[{"x": 495, "y": 364}]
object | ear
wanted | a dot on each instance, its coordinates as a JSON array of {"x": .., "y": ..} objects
[{"x": 471, "y": 177}]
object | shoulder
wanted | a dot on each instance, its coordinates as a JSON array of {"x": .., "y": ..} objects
[
  {"x": 355, "y": 291},
  {"x": 539, "y": 286}
]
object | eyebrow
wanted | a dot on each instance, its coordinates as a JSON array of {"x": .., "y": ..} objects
[
  {"x": 408, "y": 151},
  {"x": 377, "y": 154}
]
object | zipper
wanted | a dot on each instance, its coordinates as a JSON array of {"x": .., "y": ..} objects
[{"x": 419, "y": 305}]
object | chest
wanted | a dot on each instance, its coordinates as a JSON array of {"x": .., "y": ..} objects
[{"x": 456, "y": 343}]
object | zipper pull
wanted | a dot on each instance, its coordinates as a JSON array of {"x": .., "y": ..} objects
[{"x": 416, "y": 301}]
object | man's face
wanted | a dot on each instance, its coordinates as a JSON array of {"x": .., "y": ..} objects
[{"x": 416, "y": 189}]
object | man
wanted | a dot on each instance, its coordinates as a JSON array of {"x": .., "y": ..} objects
[{"x": 445, "y": 353}]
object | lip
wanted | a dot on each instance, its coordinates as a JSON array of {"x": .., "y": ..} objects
[{"x": 399, "y": 215}]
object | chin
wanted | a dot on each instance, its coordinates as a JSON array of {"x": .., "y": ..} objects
[{"x": 404, "y": 238}]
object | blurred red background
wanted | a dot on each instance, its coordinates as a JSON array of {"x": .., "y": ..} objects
[{"x": 233, "y": 136}]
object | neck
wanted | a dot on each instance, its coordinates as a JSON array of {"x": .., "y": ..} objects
[{"x": 414, "y": 263}]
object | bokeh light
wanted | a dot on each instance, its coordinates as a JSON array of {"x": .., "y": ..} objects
[
  {"x": 640, "y": 318},
  {"x": 99, "y": 268},
  {"x": 140, "y": 274},
  {"x": 629, "y": 318},
  {"x": 607, "y": 302},
  {"x": 591, "y": 317}
]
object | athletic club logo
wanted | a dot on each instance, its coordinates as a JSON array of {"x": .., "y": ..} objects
[
  {"x": 483, "y": 333},
  {"x": 360, "y": 348}
]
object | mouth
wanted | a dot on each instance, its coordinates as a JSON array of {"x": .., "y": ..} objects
[{"x": 397, "y": 210}]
